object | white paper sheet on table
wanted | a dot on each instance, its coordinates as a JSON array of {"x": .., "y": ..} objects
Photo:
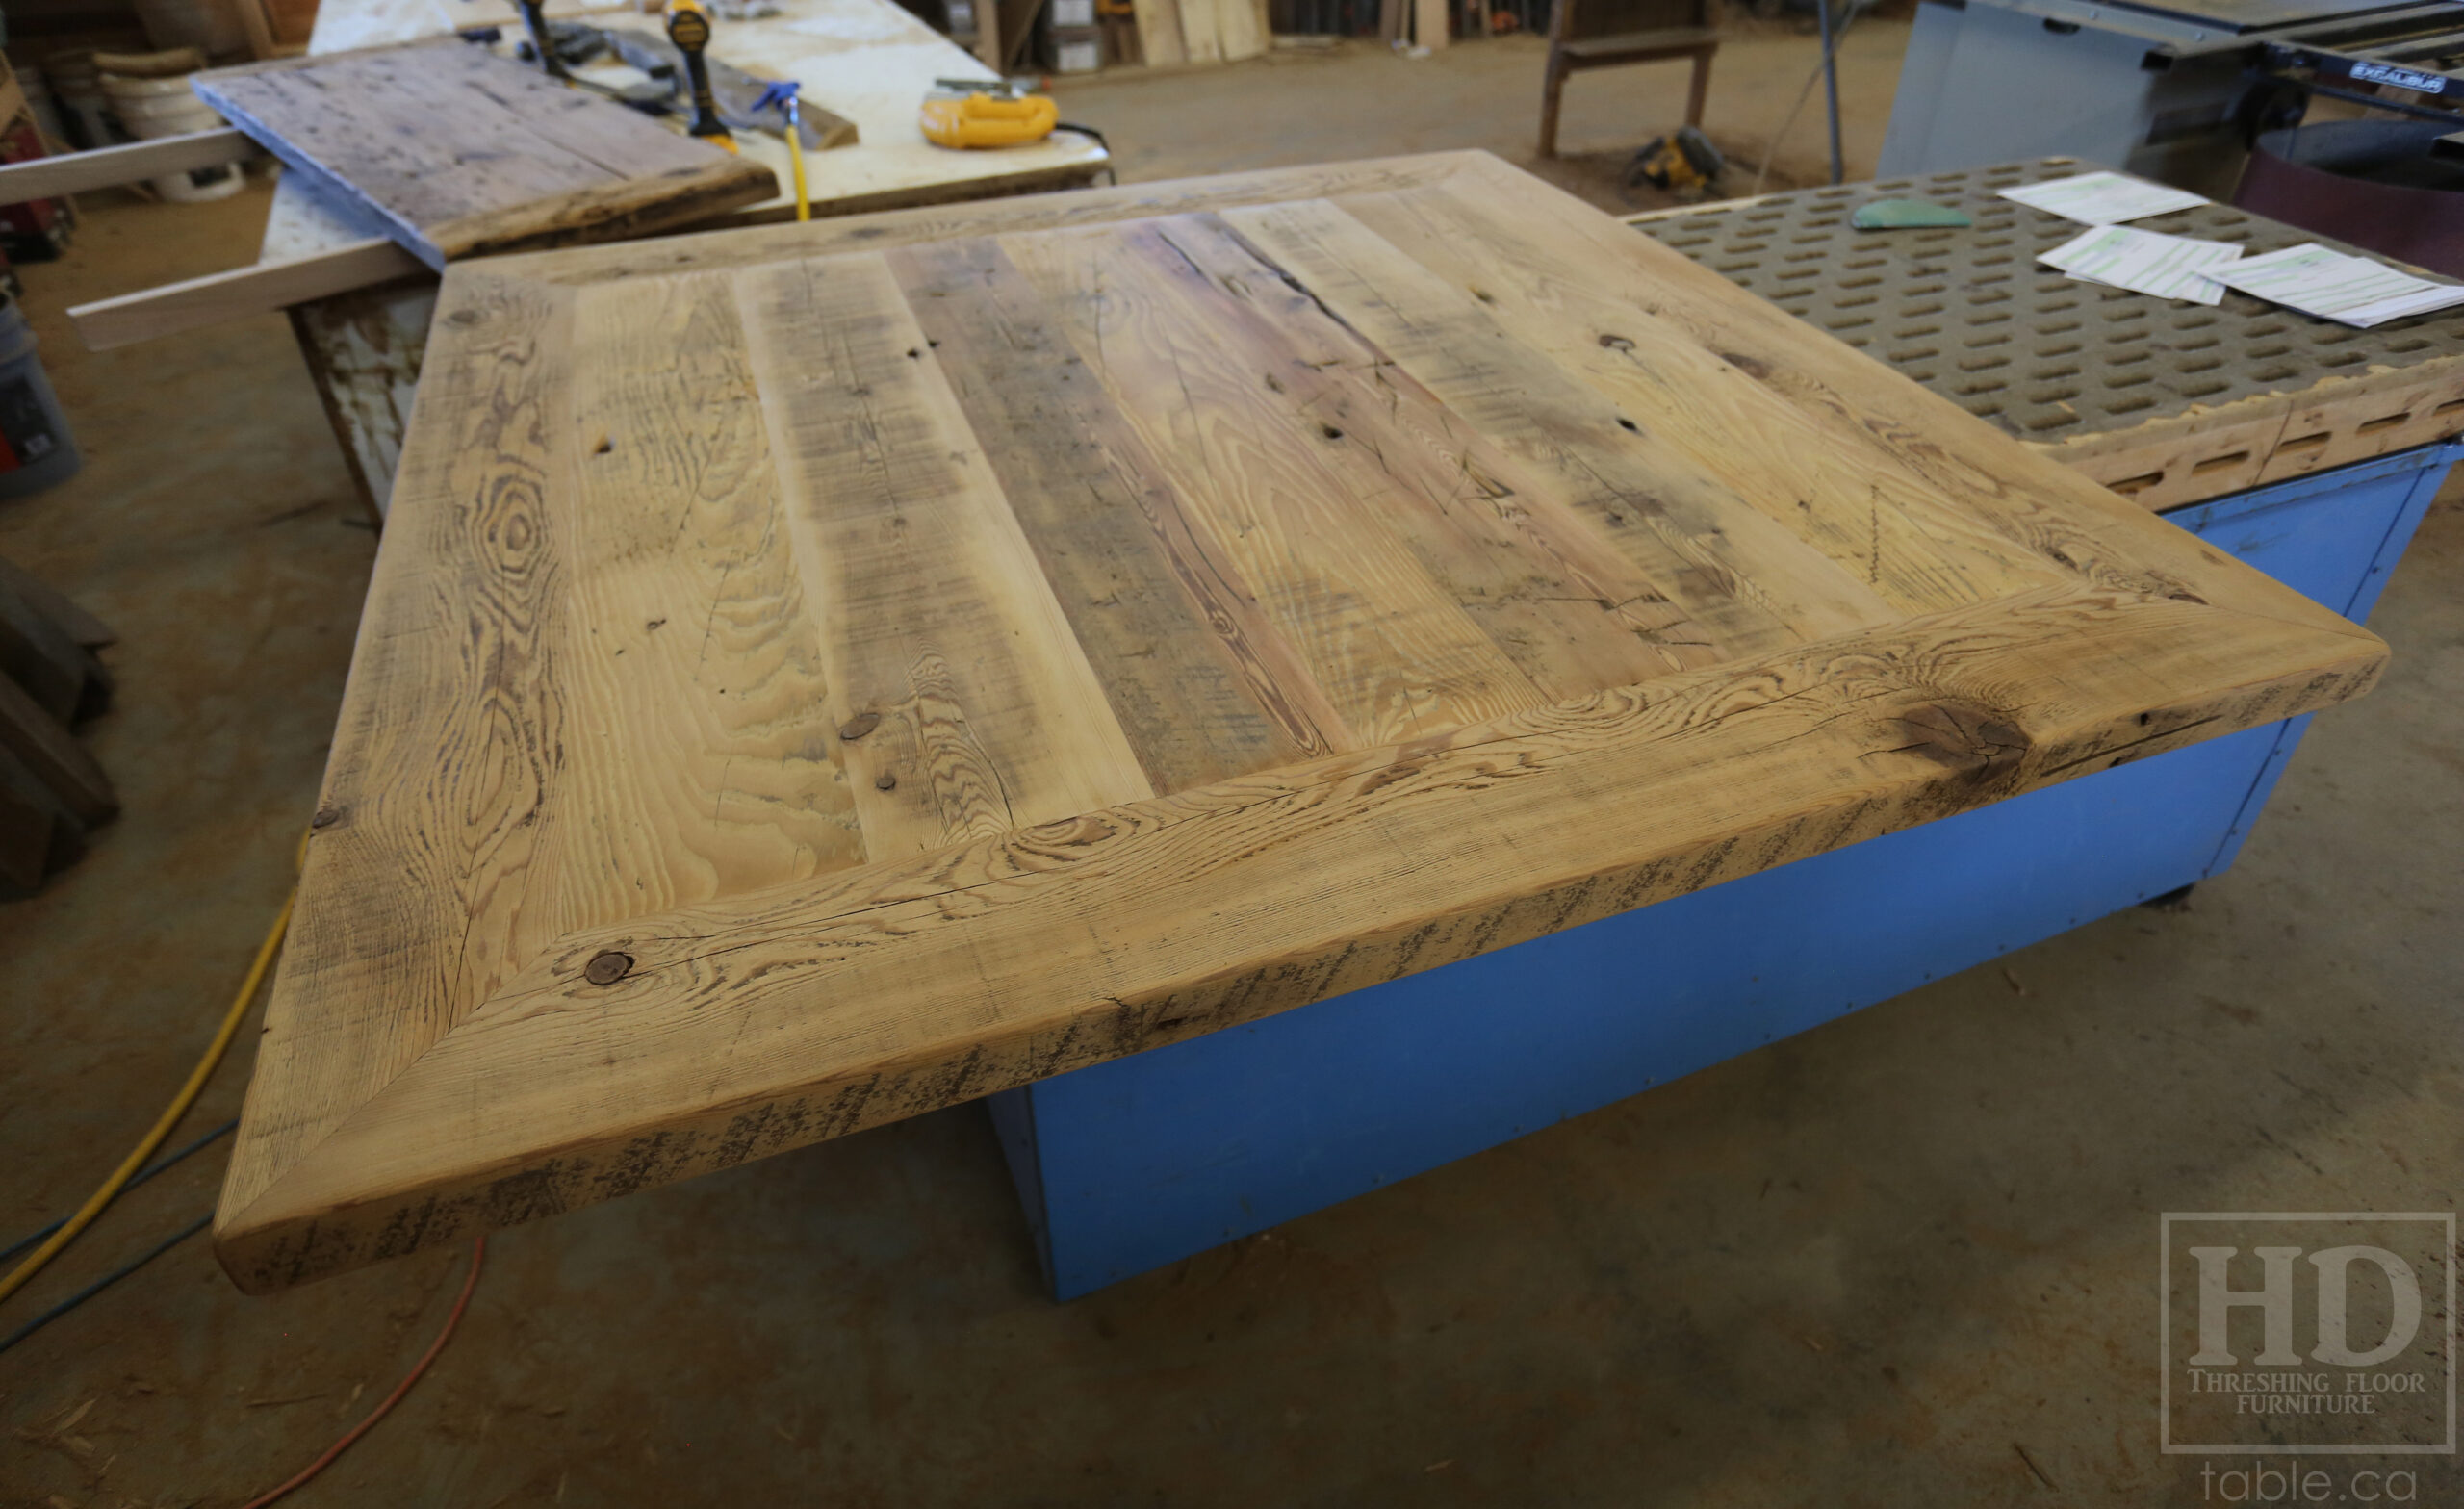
[
  {"x": 2102, "y": 198},
  {"x": 2352, "y": 290},
  {"x": 2146, "y": 261}
]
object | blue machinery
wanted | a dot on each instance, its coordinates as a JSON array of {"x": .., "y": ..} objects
[{"x": 1140, "y": 1162}]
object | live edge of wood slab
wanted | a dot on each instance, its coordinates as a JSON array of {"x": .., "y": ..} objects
[{"x": 823, "y": 672}]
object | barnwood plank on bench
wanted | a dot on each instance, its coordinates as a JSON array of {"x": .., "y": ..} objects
[{"x": 460, "y": 152}]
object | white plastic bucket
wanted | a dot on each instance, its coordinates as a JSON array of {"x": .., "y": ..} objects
[{"x": 151, "y": 108}]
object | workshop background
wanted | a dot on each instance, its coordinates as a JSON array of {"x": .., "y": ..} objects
[{"x": 1904, "y": 1258}]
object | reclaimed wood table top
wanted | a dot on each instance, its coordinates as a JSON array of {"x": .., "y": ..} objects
[{"x": 819, "y": 673}]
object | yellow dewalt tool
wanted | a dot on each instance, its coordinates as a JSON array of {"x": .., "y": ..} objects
[
  {"x": 688, "y": 26},
  {"x": 1684, "y": 161},
  {"x": 974, "y": 112}
]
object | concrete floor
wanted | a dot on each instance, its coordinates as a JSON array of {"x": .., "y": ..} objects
[
  {"x": 1901, "y": 1260},
  {"x": 1363, "y": 100}
]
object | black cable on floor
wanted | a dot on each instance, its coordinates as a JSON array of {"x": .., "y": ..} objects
[
  {"x": 148, "y": 1172},
  {"x": 105, "y": 1282}
]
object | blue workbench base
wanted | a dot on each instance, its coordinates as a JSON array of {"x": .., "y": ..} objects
[{"x": 1140, "y": 1162}]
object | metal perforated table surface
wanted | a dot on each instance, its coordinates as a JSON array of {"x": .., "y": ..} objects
[{"x": 2171, "y": 402}]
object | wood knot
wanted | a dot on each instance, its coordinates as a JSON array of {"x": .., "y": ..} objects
[
  {"x": 1616, "y": 343},
  {"x": 884, "y": 781},
  {"x": 326, "y": 817},
  {"x": 859, "y": 726},
  {"x": 1961, "y": 736},
  {"x": 606, "y": 967},
  {"x": 1752, "y": 366}
]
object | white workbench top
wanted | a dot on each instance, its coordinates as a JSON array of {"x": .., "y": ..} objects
[{"x": 868, "y": 61}]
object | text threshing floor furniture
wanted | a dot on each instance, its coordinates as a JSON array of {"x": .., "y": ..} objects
[{"x": 818, "y": 674}]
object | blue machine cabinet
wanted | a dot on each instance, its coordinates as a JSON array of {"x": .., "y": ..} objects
[{"x": 1143, "y": 1160}]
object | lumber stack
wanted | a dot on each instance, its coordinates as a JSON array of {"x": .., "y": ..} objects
[
  {"x": 1173, "y": 32},
  {"x": 51, "y": 791}
]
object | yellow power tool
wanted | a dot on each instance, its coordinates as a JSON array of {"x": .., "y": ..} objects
[{"x": 979, "y": 112}]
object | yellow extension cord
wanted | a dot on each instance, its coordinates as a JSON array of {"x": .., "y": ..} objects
[
  {"x": 172, "y": 1114},
  {"x": 796, "y": 158}
]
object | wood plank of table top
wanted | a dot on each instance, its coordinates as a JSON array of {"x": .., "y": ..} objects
[
  {"x": 1587, "y": 314},
  {"x": 711, "y": 759},
  {"x": 1570, "y": 612},
  {"x": 1396, "y": 652},
  {"x": 1746, "y": 581},
  {"x": 461, "y": 152},
  {"x": 968, "y": 707},
  {"x": 442, "y": 783},
  {"x": 1204, "y": 686},
  {"x": 1965, "y": 484},
  {"x": 495, "y": 1008}
]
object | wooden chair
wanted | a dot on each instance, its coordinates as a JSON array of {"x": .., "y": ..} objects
[{"x": 1608, "y": 34}]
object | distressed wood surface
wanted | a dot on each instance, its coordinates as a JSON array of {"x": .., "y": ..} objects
[
  {"x": 459, "y": 152},
  {"x": 819, "y": 675}
]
